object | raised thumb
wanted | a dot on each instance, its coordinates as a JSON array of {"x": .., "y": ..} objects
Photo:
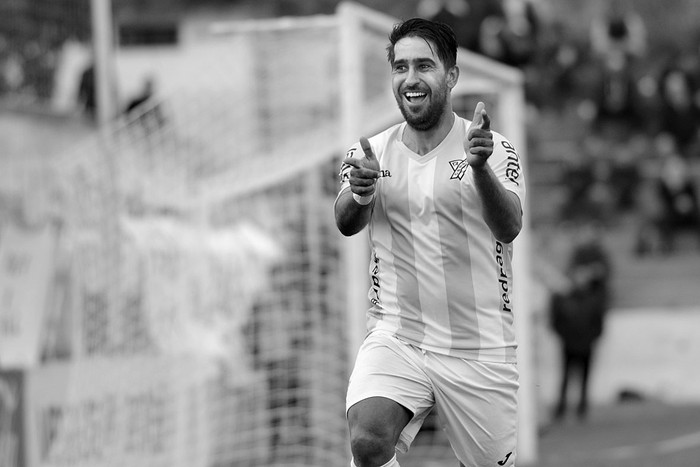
[{"x": 367, "y": 148}]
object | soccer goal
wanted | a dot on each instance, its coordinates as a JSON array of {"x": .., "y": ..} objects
[{"x": 213, "y": 309}]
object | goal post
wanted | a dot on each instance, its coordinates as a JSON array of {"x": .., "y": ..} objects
[{"x": 357, "y": 110}]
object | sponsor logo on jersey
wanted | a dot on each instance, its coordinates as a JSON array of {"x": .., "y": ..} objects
[
  {"x": 376, "y": 285},
  {"x": 346, "y": 168},
  {"x": 459, "y": 168},
  {"x": 503, "y": 278},
  {"x": 513, "y": 167},
  {"x": 345, "y": 173}
]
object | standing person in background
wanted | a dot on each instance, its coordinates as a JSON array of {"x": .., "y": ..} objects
[
  {"x": 578, "y": 313},
  {"x": 442, "y": 199}
]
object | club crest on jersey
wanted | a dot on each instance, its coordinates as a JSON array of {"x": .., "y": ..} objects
[{"x": 459, "y": 168}]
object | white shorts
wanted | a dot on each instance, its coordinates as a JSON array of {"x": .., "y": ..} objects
[{"x": 476, "y": 401}]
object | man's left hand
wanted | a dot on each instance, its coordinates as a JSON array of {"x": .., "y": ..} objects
[{"x": 479, "y": 143}]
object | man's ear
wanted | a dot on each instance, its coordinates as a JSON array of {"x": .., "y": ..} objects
[{"x": 452, "y": 76}]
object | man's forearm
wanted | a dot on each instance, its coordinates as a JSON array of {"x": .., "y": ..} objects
[
  {"x": 502, "y": 210},
  {"x": 350, "y": 216}
]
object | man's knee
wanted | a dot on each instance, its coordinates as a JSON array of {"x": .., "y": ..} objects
[
  {"x": 375, "y": 426},
  {"x": 371, "y": 446}
]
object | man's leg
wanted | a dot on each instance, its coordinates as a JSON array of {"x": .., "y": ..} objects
[
  {"x": 388, "y": 398},
  {"x": 477, "y": 404},
  {"x": 375, "y": 425},
  {"x": 566, "y": 363},
  {"x": 585, "y": 362}
]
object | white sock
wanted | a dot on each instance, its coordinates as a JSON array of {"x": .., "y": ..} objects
[{"x": 392, "y": 463}]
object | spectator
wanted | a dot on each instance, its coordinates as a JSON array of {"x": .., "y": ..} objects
[
  {"x": 679, "y": 199},
  {"x": 625, "y": 172},
  {"x": 463, "y": 16},
  {"x": 511, "y": 36},
  {"x": 577, "y": 313},
  {"x": 557, "y": 68},
  {"x": 11, "y": 67},
  {"x": 586, "y": 180},
  {"x": 618, "y": 39},
  {"x": 617, "y": 99},
  {"x": 619, "y": 33},
  {"x": 679, "y": 113}
]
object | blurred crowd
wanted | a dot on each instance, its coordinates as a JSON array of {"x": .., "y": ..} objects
[
  {"x": 635, "y": 106},
  {"x": 635, "y": 150},
  {"x": 33, "y": 37}
]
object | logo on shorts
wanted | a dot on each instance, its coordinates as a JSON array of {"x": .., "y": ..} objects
[{"x": 503, "y": 462}]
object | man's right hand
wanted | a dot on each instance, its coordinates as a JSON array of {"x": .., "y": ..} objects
[{"x": 365, "y": 171}]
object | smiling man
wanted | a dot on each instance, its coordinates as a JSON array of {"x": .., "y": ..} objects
[{"x": 441, "y": 197}]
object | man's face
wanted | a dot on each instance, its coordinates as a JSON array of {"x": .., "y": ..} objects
[{"x": 420, "y": 82}]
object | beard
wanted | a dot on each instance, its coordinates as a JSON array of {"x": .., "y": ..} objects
[{"x": 428, "y": 117}]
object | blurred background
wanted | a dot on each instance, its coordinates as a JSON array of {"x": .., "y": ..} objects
[{"x": 172, "y": 287}]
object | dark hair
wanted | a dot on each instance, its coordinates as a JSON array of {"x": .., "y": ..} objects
[{"x": 437, "y": 34}]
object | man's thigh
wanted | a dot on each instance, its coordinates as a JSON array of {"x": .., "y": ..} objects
[
  {"x": 388, "y": 387},
  {"x": 382, "y": 417},
  {"x": 477, "y": 405}
]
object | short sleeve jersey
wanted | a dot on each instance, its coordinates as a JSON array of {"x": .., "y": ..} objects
[{"x": 440, "y": 280}]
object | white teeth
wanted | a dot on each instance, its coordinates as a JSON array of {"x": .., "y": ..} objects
[{"x": 415, "y": 94}]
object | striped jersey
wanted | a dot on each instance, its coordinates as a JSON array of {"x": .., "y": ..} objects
[{"x": 439, "y": 278}]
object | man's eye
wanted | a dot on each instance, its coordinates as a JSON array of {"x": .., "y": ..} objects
[{"x": 399, "y": 68}]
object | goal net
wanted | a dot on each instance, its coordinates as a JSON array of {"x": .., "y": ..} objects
[{"x": 205, "y": 309}]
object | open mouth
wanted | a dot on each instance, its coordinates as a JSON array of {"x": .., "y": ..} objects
[{"x": 414, "y": 96}]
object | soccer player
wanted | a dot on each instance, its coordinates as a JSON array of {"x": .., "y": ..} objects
[{"x": 441, "y": 197}]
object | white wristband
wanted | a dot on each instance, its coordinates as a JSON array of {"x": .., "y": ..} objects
[{"x": 362, "y": 200}]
